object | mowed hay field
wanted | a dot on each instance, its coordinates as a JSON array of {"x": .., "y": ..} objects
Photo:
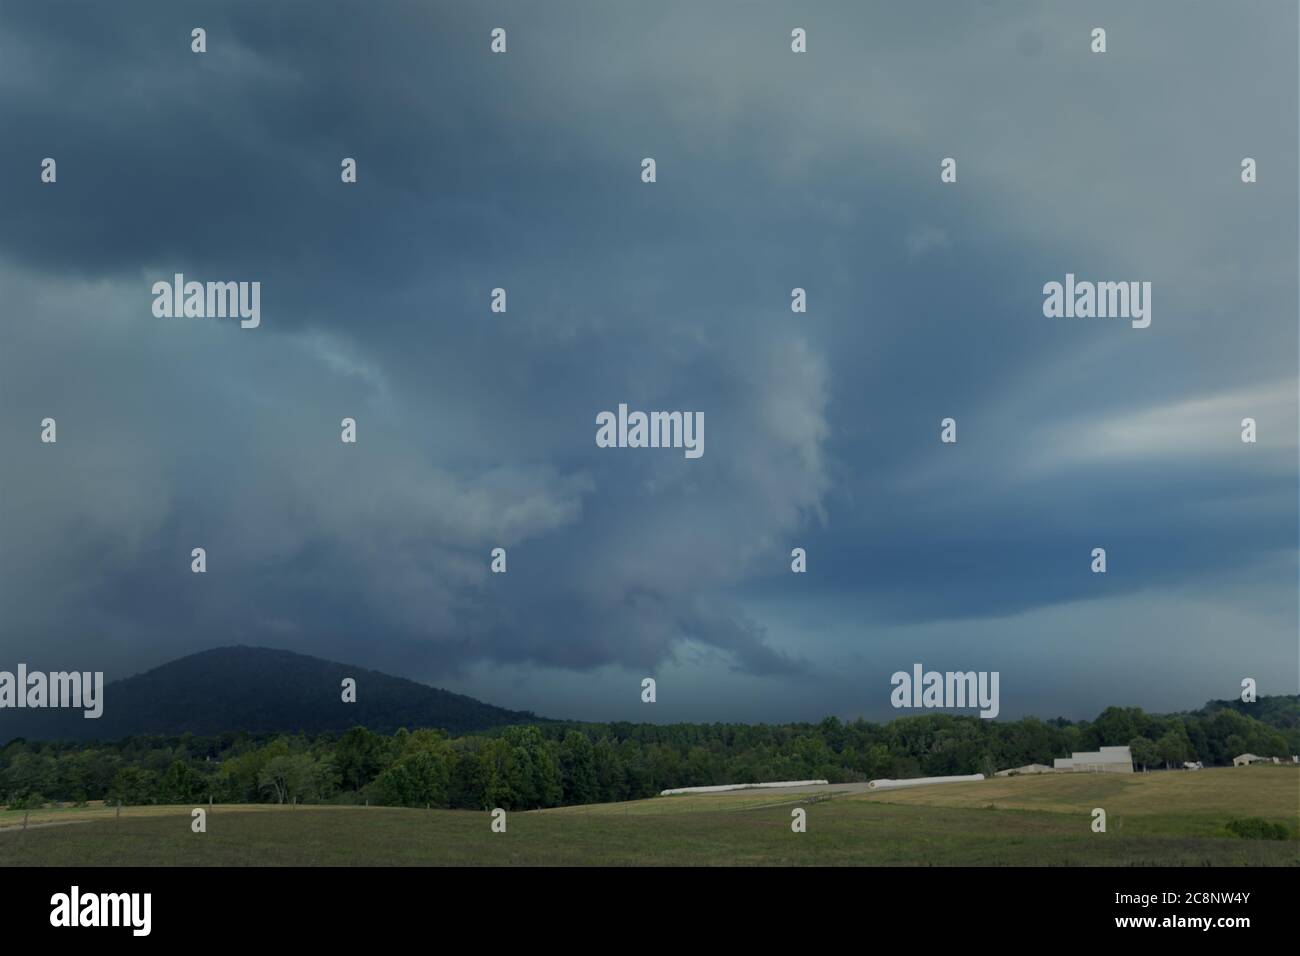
[
  {"x": 1153, "y": 819},
  {"x": 1178, "y": 803}
]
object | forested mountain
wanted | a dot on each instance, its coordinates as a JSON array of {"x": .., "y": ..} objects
[{"x": 257, "y": 689}]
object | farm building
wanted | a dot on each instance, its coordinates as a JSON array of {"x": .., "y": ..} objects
[
  {"x": 1242, "y": 759},
  {"x": 1105, "y": 760}
]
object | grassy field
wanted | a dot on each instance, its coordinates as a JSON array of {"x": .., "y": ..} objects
[{"x": 1153, "y": 819}]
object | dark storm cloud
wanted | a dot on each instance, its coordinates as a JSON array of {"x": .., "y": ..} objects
[{"x": 477, "y": 430}]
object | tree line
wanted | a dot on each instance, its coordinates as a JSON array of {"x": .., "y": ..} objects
[{"x": 555, "y": 764}]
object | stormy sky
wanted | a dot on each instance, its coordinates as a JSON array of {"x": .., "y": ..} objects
[{"x": 476, "y": 430}]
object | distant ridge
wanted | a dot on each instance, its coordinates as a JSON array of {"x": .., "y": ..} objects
[{"x": 259, "y": 690}]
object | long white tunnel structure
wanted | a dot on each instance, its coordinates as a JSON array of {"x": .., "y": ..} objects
[
  {"x": 744, "y": 786},
  {"x": 920, "y": 782}
]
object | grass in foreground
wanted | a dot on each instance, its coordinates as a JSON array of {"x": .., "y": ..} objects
[{"x": 1158, "y": 819}]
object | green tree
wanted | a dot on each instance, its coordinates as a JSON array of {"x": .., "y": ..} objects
[
  {"x": 1172, "y": 749},
  {"x": 1115, "y": 725},
  {"x": 359, "y": 757},
  {"x": 578, "y": 769},
  {"x": 498, "y": 775},
  {"x": 610, "y": 777},
  {"x": 1144, "y": 751},
  {"x": 180, "y": 784},
  {"x": 290, "y": 777},
  {"x": 134, "y": 786},
  {"x": 416, "y": 779}
]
